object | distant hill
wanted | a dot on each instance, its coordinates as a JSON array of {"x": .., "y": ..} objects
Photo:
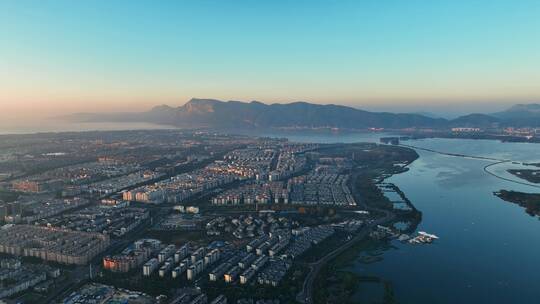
[
  {"x": 427, "y": 114},
  {"x": 475, "y": 120},
  {"x": 236, "y": 114},
  {"x": 521, "y": 115},
  {"x": 298, "y": 115},
  {"x": 520, "y": 111}
]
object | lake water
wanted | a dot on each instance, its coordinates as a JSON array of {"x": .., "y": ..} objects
[
  {"x": 487, "y": 249},
  {"x": 50, "y": 125}
]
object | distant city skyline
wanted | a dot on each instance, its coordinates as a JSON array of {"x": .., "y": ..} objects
[{"x": 448, "y": 58}]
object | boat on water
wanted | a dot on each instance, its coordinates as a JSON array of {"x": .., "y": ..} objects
[
  {"x": 423, "y": 238},
  {"x": 433, "y": 236}
]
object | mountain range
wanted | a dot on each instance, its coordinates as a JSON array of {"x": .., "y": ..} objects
[{"x": 213, "y": 113}]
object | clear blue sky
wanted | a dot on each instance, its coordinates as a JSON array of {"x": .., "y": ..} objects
[{"x": 94, "y": 55}]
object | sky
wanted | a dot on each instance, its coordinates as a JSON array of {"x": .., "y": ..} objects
[{"x": 405, "y": 56}]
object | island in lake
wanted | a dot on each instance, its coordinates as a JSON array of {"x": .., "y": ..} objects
[
  {"x": 529, "y": 201},
  {"x": 532, "y": 176}
]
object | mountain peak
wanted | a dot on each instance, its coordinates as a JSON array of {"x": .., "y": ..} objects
[
  {"x": 200, "y": 105},
  {"x": 521, "y": 114},
  {"x": 202, "y": 101},
  {"x": 199, "y": 112},
  {"x": 162, "y": 108}
]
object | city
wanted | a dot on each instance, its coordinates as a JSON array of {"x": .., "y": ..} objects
[
  {"x": 269, "y": 152},
  {"x": 179, "y": 216}
]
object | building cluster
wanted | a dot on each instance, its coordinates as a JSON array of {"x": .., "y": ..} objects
[
  {"x": 163, "y": 261},
  {"x": 195, "y": 296},
  {"x": 180, "y": 222},
  {"x": 288, "y": 164},
  {"x": 52, "y": 244},
  {"x": 105, "y": 294},
  {"x": 133, "y": 256},
  {"x": 31, "y": 210},
  {"x": 114, "y": 222},
  {"x": 16, "y": 277},
  {"x": 326, "y": 184},
  {"x": 334, "y": 165},
  {"x": 89, "y": 172},
  {"x": 274, "y": 273},
  {"x": 466, "y": 130},
  {"x": 305, "y": 238},
  {"x": 116, "y": 184},
  {"x": 523, "y": 132},
  {"x": 238, "y": 267},
  {"x": 37, "y": 185},
  {"x": 186, "y": 209},
  {"x": 11, "y": 212},
  {"x": 312, "y": 189},
  {"x": 321, "y": 189},
  {"x": 350, "y": 226},
  {"x": 74, "y": 179},
  {"x": 98, "y": 206},
  {"x": 247, "y": 163},
  {"x": 180, "y": 187},
  {"x": 247, "y": 226},
  {"x": 264, "y": 163},
  {"x": 257, "y": 163},
  {"x": 254, "y": 193},
  {"x": 265, "y": 259},
  {"x": 113, "y": 203}
]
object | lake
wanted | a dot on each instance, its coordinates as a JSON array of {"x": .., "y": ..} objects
[
  {"x": 51, "y": 125},
  {"x": 487, "y": 249}
]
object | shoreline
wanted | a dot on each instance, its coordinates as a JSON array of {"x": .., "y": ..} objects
[
  {"x": 497, "y": 161},
  {"x": 486, "y": 167},
  {"x": 529, "y": 201},
  {"x": 51, "y": 126},
  {"x": 307, "y": 295}
]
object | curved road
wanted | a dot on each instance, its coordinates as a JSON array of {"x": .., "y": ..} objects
[
  {"x": 306, "y": 295},
  {"x": 486, "y": 167},
  {"x": 495, "y": 161}
]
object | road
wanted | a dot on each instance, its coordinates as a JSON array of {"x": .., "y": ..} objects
[
  {"x": 486, "y": 169},
  {"x": 495, "y": 161},
  {"x": 306, "y": 295}
]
